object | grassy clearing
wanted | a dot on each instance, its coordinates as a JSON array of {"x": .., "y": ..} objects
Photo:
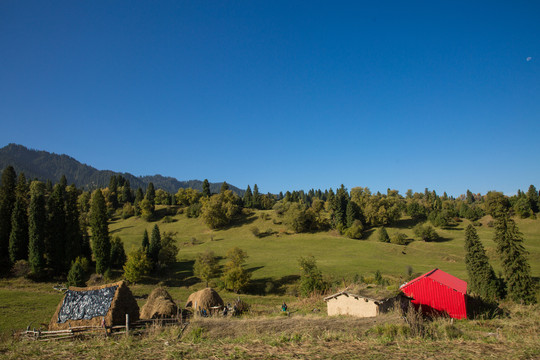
[
  {"x": 275, "y": 257},
  {"x": 310, "y": 337}
]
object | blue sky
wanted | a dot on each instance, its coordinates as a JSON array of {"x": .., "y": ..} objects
[{"x": 288, "y": 95}]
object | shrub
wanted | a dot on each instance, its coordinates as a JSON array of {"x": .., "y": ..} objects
[
  {"x": 128, "y": 211},
  {"x": 477, "y": 223},
  {"x": 255, "y": 231},
  {"x": 355, "y": 231},
  {"x": 383, "y": 235},
  {"x": 168, "y": 219},
  {"x": 21, "y": 268},
  {"x": 137, "y": 266},
  {"x": 311, "y": 280},
  {"x": 425, "y": 232},
  {"x": 194, "y": 210},
  {"x": 399, "y": 239}
]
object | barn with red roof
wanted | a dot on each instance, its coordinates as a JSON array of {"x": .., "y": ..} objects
[{"x": 438, "y": 292}]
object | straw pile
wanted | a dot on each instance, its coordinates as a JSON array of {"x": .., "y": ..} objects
[
  {"x": 122, "y": 303},
  {"x": 204, "y": 299},
  {"x": 160, "y": 305}
]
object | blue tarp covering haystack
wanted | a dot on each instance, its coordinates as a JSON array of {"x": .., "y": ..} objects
[{"x": 104, "y": 305}]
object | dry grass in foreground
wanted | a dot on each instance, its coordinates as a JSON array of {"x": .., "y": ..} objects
[{"x": 512, "y": 336}]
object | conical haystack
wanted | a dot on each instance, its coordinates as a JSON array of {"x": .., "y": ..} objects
[
  {"x": 204, "y": 299},
  {"x": 160, "y": 305},
  {"x": 104, "y": 305}
]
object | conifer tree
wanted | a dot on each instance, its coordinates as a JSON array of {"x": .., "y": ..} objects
[
  {"x": 76, "y": 274},
  {"x": 36, "y": 228},
  {"x": 145, "y": 246},
  {"x": 73, "y": 233},
  {"x": 533, "y": 198},
  {"x": 352, "y": 213},
  {"x": 101, "y": 244},
  {"x": 118, "y": 254},
  {"x": 56, "y": 224},
  {"x": 224, "y": 187},
  {"x": 383, "y": 235},
  {"x": 18, "y": 238},
  {"x": 113, "y": 188},
  {"x": 155, "y": 244},
  {"x": 516, "y": 269},
  {"x": 151, "y": 194},
  {"x": 206, "y": 188},
  {"x": 126, "y": 192},
  {"x": 256, "y": 203},
  {"x": 139, "y": 196},
  {"x": 248, "y": 198},
  {"x": 482, "y": 279},
  {"x": 7, "y": 203}
]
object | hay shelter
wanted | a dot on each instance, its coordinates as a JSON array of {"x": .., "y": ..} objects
[
  {"x": 104, "y": 305},
  {"x": 160, "y": 305},
  {"x": 204, "y": 299}
]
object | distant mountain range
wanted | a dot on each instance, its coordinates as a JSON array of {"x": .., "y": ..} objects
[{"x": 43, "y": 165}]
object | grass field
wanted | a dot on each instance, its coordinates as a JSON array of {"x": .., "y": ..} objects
[
  {"x": 274, "y": 259},
  {"x": 275, "y": 256}
]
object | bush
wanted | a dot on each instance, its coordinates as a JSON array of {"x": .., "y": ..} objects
[
  {"x": 311, "y": 280},
  {"x": 194, "y": 210},
  {"x": 21, "y": 268},
  {"x": 168, "y": 219},
  {"x": 137, "y": 266},
  {"x": 255, "y": 231},
  {"x": 355, "y": 231},
  {"x": 383, "y": 235},
  {"x": 399, "y": 239},
  {"x": 425, "y": 232},
  {"x": 477, "y": 223},
  {"x": 128, "y": 211}
]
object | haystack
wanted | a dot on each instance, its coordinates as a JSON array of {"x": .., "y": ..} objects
[
  {"x": 95, "y": 306},
  {"x": 204, "y": 299},
  {"x": 160, "y": 305}
]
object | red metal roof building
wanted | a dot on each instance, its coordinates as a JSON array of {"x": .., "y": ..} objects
[{"x": 440, "y": 292}]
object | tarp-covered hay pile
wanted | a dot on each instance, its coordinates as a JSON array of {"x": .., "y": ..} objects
[
  {"x": 204, "y": 299},
  {"x": 160, "y": 305},
  {"x": 95, "y": 306}
]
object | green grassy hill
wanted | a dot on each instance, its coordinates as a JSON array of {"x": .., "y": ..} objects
[{"x": 275, "y": 256}]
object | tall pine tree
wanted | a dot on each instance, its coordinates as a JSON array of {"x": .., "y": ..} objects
[
  {"x": 248, "y": 198},
  {"x": 56, "y": 226},
  {"x": 145, "y": 245},
  {"x": 151, "y": 194},
  {"x": 533, "y": 198},
  {"x": 101, "y": 244},
  {"x": 18, "y": 239},
  {"x": 73, "y": 233},
  {"x": 224, "y": 187},
  {"x": 256, "y": 197},
  {"x": 7, "y": 203},
  {"x": 482, "y": 279},
  {"x": 516, "y": 269},
  {"x": 155, "y": 244},
  {"x": 37, "y": 218},
  {"x": 206, "y": 188}
]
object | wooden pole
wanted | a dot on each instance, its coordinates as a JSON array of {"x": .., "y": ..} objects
[{"x": 127, "y": 325}]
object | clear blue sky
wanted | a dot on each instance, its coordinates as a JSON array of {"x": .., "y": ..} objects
[{"x": 288, "y": 95}]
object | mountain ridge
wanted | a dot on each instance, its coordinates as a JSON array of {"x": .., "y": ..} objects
[{"x": 44, "y": 165}]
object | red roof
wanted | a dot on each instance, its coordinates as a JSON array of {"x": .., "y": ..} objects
[{"x": 444, "y": 279}]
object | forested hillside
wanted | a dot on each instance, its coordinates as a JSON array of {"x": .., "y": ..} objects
[{"x": 43, "y": 165}]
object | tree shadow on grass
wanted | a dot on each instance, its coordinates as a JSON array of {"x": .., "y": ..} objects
[
  {"x": 406, "y": 223},
  {"x": 267, "y": 285},
  {"x": 120, "y": 229},
  {"x": 240, "y": 221}
]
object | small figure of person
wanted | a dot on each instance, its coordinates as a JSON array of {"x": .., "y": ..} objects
[
  {"x": 284, "y": 307},
  {"x": 225, "y": 311}
]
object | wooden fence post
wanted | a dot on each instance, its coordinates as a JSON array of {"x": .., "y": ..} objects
[{"x": 127, "y": 325}]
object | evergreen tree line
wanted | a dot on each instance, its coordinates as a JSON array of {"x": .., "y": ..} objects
[
  {"x": 47, "y": 226},
  {"x": 515, "y": 282}
]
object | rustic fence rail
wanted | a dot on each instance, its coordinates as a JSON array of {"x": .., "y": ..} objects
[{"x": 135, "y": 327}]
